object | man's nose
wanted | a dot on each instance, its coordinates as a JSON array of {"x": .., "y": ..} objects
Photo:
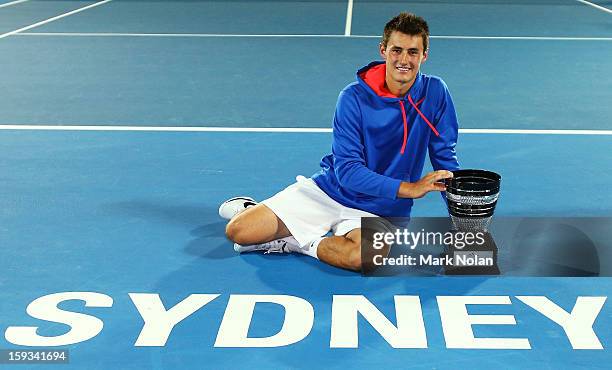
[{"x": 404, "y": 57}]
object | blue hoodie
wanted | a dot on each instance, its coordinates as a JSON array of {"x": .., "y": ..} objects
[{"x": 380, "y": 140}]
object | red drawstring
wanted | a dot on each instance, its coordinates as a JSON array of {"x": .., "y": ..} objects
[
  {"x": 405, "y": 127},
  {"x": 415, "y": 105},
  {"x": 422, "y": 115}
]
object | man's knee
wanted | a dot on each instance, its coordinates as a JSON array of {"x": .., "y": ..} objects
[
  {"x": 353, "y": 242},
  {"x": 255, "y": 225},
  {"x": 237, "y": 231},
  {"x": 354, "y": 259}
]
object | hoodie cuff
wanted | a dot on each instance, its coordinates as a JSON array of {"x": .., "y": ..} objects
[{"x": 390, "y": 188}]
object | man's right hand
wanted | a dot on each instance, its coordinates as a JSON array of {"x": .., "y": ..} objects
[{"x": 429, "y": 182}]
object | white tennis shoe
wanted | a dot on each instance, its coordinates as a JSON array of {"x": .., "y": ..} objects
[
  {"x": 234, "y": 206},
  {"x": 284, "y": 245}
]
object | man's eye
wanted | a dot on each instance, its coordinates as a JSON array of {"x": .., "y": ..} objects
[
  {"x": 413, "y": 53},
  {"x": 396, "y": 51}
]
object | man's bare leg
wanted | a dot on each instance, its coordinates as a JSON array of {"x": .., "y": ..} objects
[
  {"x": 342, "y": 251},
  {"x": 256, "y": 225},
  {"x": 259, "y": 224}
]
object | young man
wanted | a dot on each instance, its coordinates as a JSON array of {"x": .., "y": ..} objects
[{"x": 383, "y": 125}]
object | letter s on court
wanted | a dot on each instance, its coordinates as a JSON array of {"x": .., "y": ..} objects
[{"x": 82, "y": 327}]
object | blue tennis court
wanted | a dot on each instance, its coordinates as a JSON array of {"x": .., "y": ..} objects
[{"x": 124, "y": 124}]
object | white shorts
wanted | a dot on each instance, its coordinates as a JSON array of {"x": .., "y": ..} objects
[{"x": 309, "y": 213}]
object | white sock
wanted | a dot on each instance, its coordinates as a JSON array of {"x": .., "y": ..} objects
[{"x": 311, "y": 248}]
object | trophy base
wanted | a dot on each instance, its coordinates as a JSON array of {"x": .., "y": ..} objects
[{"x": 473, "y": 259}]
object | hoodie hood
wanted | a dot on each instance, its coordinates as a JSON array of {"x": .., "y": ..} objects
[{"x": 372, "y": 78}]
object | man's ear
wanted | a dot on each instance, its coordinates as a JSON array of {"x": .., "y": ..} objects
[
  {"x": 382, "y": 50},
  {"x": 425, "y": 55}
]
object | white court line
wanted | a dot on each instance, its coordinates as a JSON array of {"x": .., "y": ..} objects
[
  {"x": 533, "y": 132},
  {"x": 349, "y": 18},
  {"x": 110, "y": 34},
  {"x": 52, "y": 19},
  {"x": 534, "y": 38},
  {"x": 122, "y": 34},
  {"x": 278, "y": 129},
  {"x": 12, "y": 3},
  {"x": 468, "y": 37},
  {"x": 164, "y": 128},
  {"x": 595, "y": 6}
]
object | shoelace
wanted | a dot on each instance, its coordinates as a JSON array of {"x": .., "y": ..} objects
[{"x": 278, "y": 246}]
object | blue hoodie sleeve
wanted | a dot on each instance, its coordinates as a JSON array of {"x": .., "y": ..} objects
[
  {"x": 348, "y": 150},
  {"x": 442, "y": 148}
]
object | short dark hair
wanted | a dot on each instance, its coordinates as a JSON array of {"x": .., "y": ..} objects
[{"x": 409, "y": 24}]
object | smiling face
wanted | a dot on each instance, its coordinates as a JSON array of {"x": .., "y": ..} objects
[{"x": 403, "y": 55}]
